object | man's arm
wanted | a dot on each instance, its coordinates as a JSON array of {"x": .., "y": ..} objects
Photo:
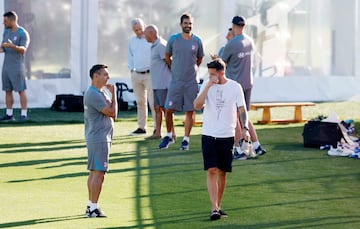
[
  {"x": 168, "y": 59},
  {"x": 244, "y": 122},
  {"x": 9, "y": 44},
  {"x": 199, "y": 102},
  {"x": 199, "y": 60},
  {"x": 111, "y": 109}
]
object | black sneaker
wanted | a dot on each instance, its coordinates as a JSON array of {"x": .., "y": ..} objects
[
  {"x": 138, "y": 131},
  {"x": 260, "y": 151},
  {"x": 223, "y": 214},
  {"x": 215, "y": 215},
  {"x": 96, "y": 213},
  {"x": 7, "y": 118}
]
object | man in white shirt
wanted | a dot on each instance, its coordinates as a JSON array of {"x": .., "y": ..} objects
[
  {"x": 224, "y": 110},
  {"x": 139, "y": 65}
]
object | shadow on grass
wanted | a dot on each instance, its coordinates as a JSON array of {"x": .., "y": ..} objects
[
  {"x": 40, "y": 221},
  {"x": 315, "y": 222}
]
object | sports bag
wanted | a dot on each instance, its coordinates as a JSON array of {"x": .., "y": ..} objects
[
  {"x": 68, "y": 102},
  {"x": 317, "y": 133}
]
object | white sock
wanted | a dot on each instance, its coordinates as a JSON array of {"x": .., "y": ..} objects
[
  {"x": 89, "y": 202},
  {"x": 93, "y": 206},
  {"x": 9, "y": 112},
  {"x": 169, "y": 134},
  {"x": 186, "y": 139},
  {"x": 24, "y": 112},
  {"x": 256, "y": 144},
  {"x": 238, "y": 149}
]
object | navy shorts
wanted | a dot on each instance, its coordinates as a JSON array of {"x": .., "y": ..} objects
[{"x": 217, "y": 152}]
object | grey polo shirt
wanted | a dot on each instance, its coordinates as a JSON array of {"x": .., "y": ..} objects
[
  {"x": 159, "y": 70},
  {"x": 237, "y": 55},
  {"x": 185, "y": 54}
]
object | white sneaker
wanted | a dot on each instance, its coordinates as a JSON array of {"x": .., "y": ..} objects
[
  {"x": 339, "y": 151},
  {"x": 248, "y": 149}
]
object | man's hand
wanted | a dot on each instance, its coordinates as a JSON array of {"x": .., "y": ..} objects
[{"x": 212, "y": 80}]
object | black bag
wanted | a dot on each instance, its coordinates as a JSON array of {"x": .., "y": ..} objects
[
  {"x": 317, "y": 133},
  {"x": 68, "y": 102}
]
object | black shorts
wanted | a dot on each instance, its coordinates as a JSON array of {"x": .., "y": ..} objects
[{"x": 217, "y": 152}]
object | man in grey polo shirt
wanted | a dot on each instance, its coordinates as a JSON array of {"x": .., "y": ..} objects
[
  {"x": 14, "y": 44},
  {"x": 100, "y": 111},
  {"x": 184, "y": 54},
  {"x": 238, "y": 54},
  {"x": 160, "y": 75}
]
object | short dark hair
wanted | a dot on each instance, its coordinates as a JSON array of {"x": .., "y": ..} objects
[
  {"x": 185, "y": 16},
  {"x": 218, "y": 64},
  {"x": 94, "y": 69},
  {"x": 11, "y": 15}
]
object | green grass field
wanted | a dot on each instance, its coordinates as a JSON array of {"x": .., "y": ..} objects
[{"x": 43, "y": 178}]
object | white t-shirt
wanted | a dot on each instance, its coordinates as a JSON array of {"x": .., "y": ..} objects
[{"x": 220, "y": 111}]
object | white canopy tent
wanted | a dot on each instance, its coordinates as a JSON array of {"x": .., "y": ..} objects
[{"x": 86, "y": 43}]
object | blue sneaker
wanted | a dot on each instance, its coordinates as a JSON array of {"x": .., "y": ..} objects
[
  {"x": 239, "y": 156},
  {"x": 184, "y": 145},
  {"x": 165, "y": 142},
  {"x": 7, "y": 118},
  {"x": 23, "y": 118},
  {"x": 260, "y": 151}
]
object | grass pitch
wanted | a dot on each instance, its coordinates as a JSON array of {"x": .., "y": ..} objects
[{"x": 43, "y": 178}]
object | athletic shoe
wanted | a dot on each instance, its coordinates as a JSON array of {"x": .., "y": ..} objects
[
  {"x": 138, "y": 131},
  {"x": 96, "y": 213},
  {"x": 260, "y": 151},
  {"x": 245, "y": 146},
  {"x": 341, "y": 152},
  {"x": 7, "y": 118},
  {"x": 165, "y": 142},
  {"x": 223, "y": 214},
  {"x": 248, "y": 149},
  {"x": 354, "y": 155},
  {"x": 23, "y": 118},
  {"x": 215, "y": 215},
  {"x": 184, "y": 145},
  {"x": 239, "y": 156}
]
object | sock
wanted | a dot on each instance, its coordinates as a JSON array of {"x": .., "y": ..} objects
[
  {"x": 169, "y": 134},
  {"x": 9, "y": 112},
  {"x": 256, "y": 144},
  {"x": 186, "y": 139},
  {"x": 24, "y": 112},
  {"x": 93, "y": 206},
  {"x": 238, "y": 149},
  {"x": 89, "y": 202}
]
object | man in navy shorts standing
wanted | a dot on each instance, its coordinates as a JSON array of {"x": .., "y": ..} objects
[
  {"x": 184, "y": 54},
  {"x": 224, "y": 107}
]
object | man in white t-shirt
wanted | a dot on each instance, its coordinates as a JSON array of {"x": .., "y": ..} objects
[{"x": 224, "y": 110}]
